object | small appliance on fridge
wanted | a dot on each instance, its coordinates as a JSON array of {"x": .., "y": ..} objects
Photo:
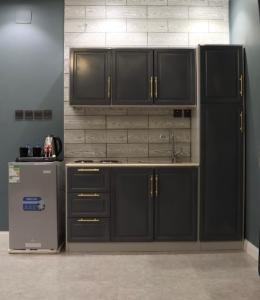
[{"x": 36, "y": 207}]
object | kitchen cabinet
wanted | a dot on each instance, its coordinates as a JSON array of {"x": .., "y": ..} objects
[
  {"x": 222, "y": 143},
  {"x": 176, "y": 204},
  {"x": 174, "y": 77},
  {"x": 88, "y": 204},
  {"x": 90, "y": 78},
  {"x": 221, "y": 74},
  {"x": 132, "y": 76},
  {"x": 132, "y": 204},
  {"x": 221, "y": 172}
]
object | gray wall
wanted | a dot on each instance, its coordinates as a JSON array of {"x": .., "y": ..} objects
[
  {"x": 31, "y": 77},
  {"x": 245, "y": 29}
]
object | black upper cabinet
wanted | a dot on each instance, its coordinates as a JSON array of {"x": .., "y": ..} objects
[
  {"x": 132, "y": 204},
  {"x": 221, "y": 172},
  {"x": 176, "y": 204},
  {"x": 174, "y": 77},
  {"x": 90, "y": 76},
  {"x": 221, "y": 74},
  {"x": 132, "y": 76}
]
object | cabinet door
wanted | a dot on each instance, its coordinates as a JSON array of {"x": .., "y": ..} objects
[
  {"x": 175, "y": 80},
  {"x": 176, "y": 204},
  {"x": 132, "y": 204},
  {"x": 132, "y": 76},
  {"x": 90, "y": 76},
  {"x": 221, "y": 71},
  {"x": 221, "y": 172}
]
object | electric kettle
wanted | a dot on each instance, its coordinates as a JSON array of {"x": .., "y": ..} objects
[{"x": 52, "y": 146}]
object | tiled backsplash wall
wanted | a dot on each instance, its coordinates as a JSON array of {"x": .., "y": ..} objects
[{"x": 135, "y": 133}]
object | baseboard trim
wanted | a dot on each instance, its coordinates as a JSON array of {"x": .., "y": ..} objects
[
  {"x": 4, "y": 232},
  {"x": 251, "y": 249}
]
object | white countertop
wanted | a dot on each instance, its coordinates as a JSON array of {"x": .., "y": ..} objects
[{"x": 131, "y": 164}]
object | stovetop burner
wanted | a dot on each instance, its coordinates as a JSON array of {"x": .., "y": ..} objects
[
  {"x": 108, "y": 161},
  {"x": 83, "y": 161}
]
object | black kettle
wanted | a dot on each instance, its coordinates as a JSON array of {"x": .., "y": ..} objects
[{"x": 52, "y": 146}]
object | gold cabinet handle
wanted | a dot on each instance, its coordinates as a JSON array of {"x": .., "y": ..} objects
[
  {"x": 89, "y": 195},
  {"x": 156, "y": 185},
  {"x": 241, "y": 122},
  {"x": 241, "y": 85},
  {"x": 156, "y": 86},
  {"x": 151, "y": 186},
  {"x": 88, "y": 170},
  {"x": 151, "y": 87},
  {"x": 82, "y": 220},
  {"x": 109, "y": 87}
]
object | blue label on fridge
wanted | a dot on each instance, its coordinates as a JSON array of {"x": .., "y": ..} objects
[{"x": 33, "y": 204}]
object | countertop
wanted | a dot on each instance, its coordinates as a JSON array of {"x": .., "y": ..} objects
[{"x": 137, "y": 164}]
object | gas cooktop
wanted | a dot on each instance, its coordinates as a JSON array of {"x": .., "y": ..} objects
[{"x": 102, "y": 161}]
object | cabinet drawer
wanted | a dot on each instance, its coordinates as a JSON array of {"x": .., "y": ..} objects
[
  {"x": 88, "y": 204},
  {"x": 88, "y": 230},
  {"x": 88, "y": 179}
]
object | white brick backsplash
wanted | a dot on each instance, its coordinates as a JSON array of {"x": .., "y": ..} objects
[
  {"x": 223, "y": 3},
  {"x": 127, "y": 150},
  {"x": 85, "y": 150},
  {"x": 188, "y": 2},
  {"x": 66, "y": 94},
  {"x": 188, "y": 25},
  {"x": 120, "y": 122},
  {"x": 106, "y": 136},
  {"x": 208, "y": 38},
  {"x": 66, "y": 80},
  {"x": 84, "y": 122},
  {"x": 126, "y": 39},
  {"x": 95, "y": 11},
  {"x": 106, "y": 25},
  {"x": 207, "y": 13},
  {"x": 126, "y": 11},
  {"x": 85, "y": 2},
  {"x": 176, "y": 12},
  {"x": 145, "y": 25},
  {"x": 74, "y": 25},
  {"x": 70, "y": 110},
  {"x": 115, "y": 2},
  {"x": 85, "y": 39},
  {"x": 168, "y": 39},
  {"x": 74, "y": 136},
  {"x": 75, "y": 12},
  {"x": 66, "y": 66},
  {"x": 146, "y": 2},
  {"x": 134, "y": 133},
  {"x": 218, "y": 26}
]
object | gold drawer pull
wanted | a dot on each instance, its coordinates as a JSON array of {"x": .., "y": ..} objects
[
  {"x": 88, "y": 170},
  {"x": 151, "y": 186},
  {"x": 151, "y": 87},
  {"x": 156, "y": 186},
  {"x": 109, "y": 87},
  {"x": 156, "y": 86},
  {"x": 81, "y": 220},
  {"x": 241, "y": 85},
  {"x": 89, "y": 195}
]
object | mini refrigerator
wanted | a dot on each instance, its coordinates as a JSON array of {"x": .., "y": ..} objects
[{"x": 36, "y": 206}]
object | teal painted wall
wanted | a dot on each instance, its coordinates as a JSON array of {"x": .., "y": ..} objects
[
  {"x": 31, "y": 77},
  {"x": 245, "y": 29}
]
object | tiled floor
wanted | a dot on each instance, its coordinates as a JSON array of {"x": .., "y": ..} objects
[{"x": 204, "y": 276}]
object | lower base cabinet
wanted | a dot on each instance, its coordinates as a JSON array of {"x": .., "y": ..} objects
[
  {"x": 88, "y": 230},
  {"x": 140, "y": 205},
  {"x": 176, "y": 204},
  {"x": 132, "y": 204}
]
